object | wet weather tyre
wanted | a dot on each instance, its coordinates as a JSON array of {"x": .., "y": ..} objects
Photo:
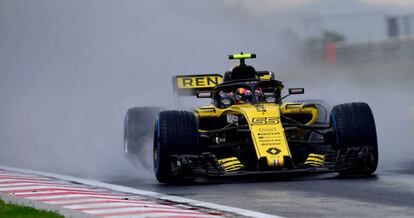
[
  {"x": 138, "y": 129},
  {"x": 355, "y": 138},
  {"x": 176, "y": 132}
]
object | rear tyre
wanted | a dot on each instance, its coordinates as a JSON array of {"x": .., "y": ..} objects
[
  {"x": 176, "y": 132},
  {"x": 138, "y": 126},
  {"x": 355, "y": 138}
]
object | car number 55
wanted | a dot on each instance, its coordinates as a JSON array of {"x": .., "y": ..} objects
[{"x": 265, "y": 121}]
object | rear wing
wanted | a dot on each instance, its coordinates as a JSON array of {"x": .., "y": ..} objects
[{"x": 193, "y": 84}]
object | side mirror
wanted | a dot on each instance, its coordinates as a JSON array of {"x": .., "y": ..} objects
[
  {"x": 296, "y": 91},
  {"x": 203, "y": 94}
]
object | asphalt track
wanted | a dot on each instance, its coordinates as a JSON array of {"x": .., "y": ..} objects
[{"x": 388, "y": 193}]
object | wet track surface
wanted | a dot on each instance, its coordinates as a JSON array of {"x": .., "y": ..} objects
[{"x": 389, "y": 193}]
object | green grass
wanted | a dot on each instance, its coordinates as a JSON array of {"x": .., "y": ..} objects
[{"x": 16, "y": 211}]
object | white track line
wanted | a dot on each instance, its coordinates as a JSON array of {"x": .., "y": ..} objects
[
  {"x": 74, "y": 201},
  {"x": 40, "y": 193},
  {"x": 67, "y": 201},
  {"x": 29, "y": 181},
  {"x": 74, "y": 195},
  {"x": 79, "y": 201},
  {"x": 151, "y": 212},
  {"x": 47, "y": 193},
  {"x": 58, "y": 196},
  {"x": 158, "y": 215},
  {"x": 195, "y": 203},
  {"x": 119, "y": 204},
  {"x": 24, "y": 194},
  {"x": 32, "y": 187},
  {"x": 19, "y": 184},
  {"x": 48, "y": 190},
  {"x": 140, "y": 209},
  {"x": 8, "y": 180}
]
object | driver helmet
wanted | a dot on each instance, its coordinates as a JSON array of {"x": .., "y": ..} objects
[{"x": 243, "y": 95}]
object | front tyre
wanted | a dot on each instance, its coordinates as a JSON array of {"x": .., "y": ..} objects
[
  {"x": 176, "y": 132},
  {"x": 355, "y": 139}
]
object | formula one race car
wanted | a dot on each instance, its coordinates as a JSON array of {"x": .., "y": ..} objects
[{"x": 248, "y": 129}]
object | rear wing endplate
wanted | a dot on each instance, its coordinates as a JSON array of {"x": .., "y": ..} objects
[{"x": 193, "y": 84}]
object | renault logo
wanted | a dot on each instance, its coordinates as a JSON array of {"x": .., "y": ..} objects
[{"x": 273, "y": 151}]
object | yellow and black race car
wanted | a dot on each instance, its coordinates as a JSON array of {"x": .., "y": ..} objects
[{"x": 249, "y": 129}]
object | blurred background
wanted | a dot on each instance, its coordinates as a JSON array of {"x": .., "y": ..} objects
[{"x": 69, "y": 70}]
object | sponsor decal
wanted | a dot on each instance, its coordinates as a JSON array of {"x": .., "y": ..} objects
[
  {"x": 198, "y": 81},
  {"x": 267, "y": 129},
  {"x": 231, "y": 118}
]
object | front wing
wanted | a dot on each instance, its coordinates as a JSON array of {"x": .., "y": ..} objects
[{"x": 207, "y": 164}]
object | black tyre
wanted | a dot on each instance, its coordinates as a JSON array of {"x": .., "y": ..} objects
[
  {"x": 176, "y": 132},
  {"x": 138, "y": 129},
  {"x": 355, "y": 138}
]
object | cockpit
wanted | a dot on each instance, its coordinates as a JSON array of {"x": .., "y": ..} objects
[{"x": 253, "y": 93}]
